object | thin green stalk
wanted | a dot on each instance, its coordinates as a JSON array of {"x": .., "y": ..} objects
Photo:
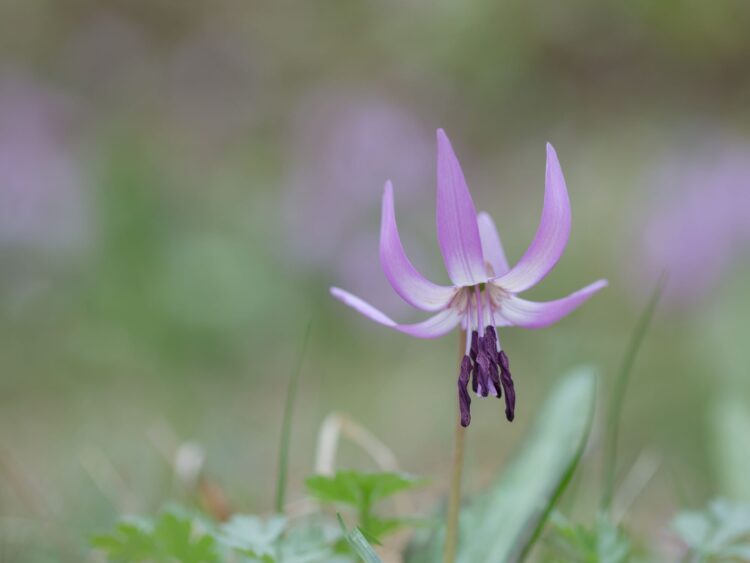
[
  {"x": 618, "y": 393},
  {"x": 286, "y": 428},
  {"x": 364, "y": 514},
  {"x": 454, "y": 494}
]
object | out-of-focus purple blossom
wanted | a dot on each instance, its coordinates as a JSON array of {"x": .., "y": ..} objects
[
  {"x": 700, "y": 221},
  {"x": 42, "y": 203},
  {"x": 342, "y": 147}
]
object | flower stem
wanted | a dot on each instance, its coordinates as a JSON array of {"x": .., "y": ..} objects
[{"x": 454, "y": 494}]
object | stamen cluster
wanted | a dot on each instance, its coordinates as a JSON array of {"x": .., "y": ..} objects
[{"x": 490, "y": 374}]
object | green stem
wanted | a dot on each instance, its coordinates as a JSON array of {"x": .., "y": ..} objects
[
  {"x": 286, "y": 427},
  {"x": 364, "y": 514},
  {"x": 454, "y": 494},
  {"x": 618, "y": 393}
]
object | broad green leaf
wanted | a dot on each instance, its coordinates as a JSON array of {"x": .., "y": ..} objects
[
  {"x": 503, "y": 522},
  {"x": 730, "y": 425},
  {"x": 511, "y": 515},
  {"x": 359, "y": 544}
]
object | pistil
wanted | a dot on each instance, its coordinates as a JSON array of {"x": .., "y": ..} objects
[
  {"x": 464, "y": 399},
  {"x": 507, "y": 381}
]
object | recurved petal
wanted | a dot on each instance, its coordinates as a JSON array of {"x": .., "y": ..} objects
[
  {"x": 492, "y": 248},
  {"x": 530, "y": 314},
  {"x": 551, "y": 236},
  {"x": 433, "y": 327},
  {"x": 458, "y": 233},
  {"x": 405, "y": 279}
]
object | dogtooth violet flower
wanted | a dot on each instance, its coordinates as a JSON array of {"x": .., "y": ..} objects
[{"x": 484, "y": 291}]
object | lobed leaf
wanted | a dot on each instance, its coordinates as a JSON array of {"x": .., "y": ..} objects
[
  {"x": 174, "y": 536},
  {"x": 356, "y": 489},
  {"x": 722, "y": 531}
]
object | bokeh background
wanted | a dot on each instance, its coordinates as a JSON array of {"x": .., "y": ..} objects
[{"x": 181, "y": 182}]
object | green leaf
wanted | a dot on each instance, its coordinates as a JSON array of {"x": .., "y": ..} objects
[
  {"x": 178, "y": 537},
  {"x": 721, "y": 531},
  {"x": 359, "y": 544},
  {"x": 359, "y": 489},
  {"x": 342, "y": 488},
  {"x": 252, "y": 536},
  {"x": 173, "y": 537},
  {"x": 502, "y": 524},
  {"x": 604, "y": 543},
  {"x": 379, "y": 527},
  {"x": 310, "y": 542},
  {"x": 382, "y": 485},
  {"x": 130, "y": 541},
  {"x": 510, "y": 516},
  {"x": 729, "y": 426}
]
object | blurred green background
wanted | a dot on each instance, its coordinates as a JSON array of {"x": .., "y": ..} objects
[{"x": 181, "y": 182}]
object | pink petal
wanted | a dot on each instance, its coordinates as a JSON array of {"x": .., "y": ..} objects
[
  {"x": 529, "y": 314},
  {"x": 551, "y": 236},
  {"x": 458, "y": 233},
  {"x": 492, "y": 248},
  {"x": 435, "y": 326},
  {"x": 405, "y": 279}
]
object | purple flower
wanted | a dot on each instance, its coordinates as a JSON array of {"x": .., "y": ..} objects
[
  {"x": 483, "y": 294},
  {"x": 343, "y": 143},
  {"x": 42, "y": 200},
  {"x": 698, "y": 229}
]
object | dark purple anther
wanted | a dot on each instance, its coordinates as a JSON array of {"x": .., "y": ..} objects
[
  {"x": 494, "y": 379},
  {"x": 464, "y": 400},
  {"x": 474, "y": 346},
  {"x": 489, "y": 372},
  {"x": 490, "y": 340},
  {"x": 473, "y": 355},
  {"x": 486, "y": 360},
  {"x": 483, "y": 376},
  {"x": 507, "y": 382},
  {"x": 489, "y": 347},
  {"x": 502, "y": 359}
]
